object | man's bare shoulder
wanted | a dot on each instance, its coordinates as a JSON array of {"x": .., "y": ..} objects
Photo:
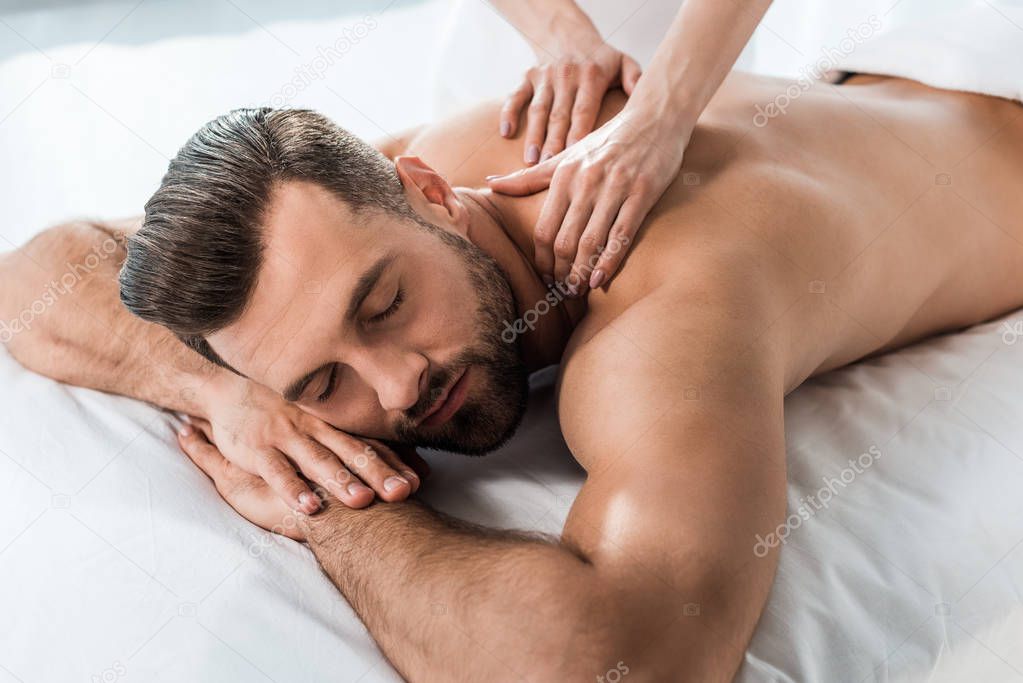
[{"x": 466, "y": 147}]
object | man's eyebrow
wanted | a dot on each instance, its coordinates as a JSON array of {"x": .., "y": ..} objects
[{"x": 365, "y": 284}]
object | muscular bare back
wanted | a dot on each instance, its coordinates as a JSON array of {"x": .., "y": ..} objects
[
  {"x": 870, "y": 215},
  {"x": 895, "y": 203}
]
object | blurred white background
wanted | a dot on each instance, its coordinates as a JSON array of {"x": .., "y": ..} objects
[{"x": 95, "y": 97}]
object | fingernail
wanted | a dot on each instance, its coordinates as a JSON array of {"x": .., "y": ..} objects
[
  {"x": 409, "y": 474},
  {"x": 308, "y": 500},
  {"x": 392, "y": 483},
  {"x": 545, "y": 156},
  {"x": 596, "y": 278},
  {"x": 572, "y": 289},
  {"x": 505, "y": 128},
  {"x": 548, "y": 280},
  {"x": 532, "y": 154},
  {"x": 186, "y": 430},
  {"x": 355, "y": 488}
]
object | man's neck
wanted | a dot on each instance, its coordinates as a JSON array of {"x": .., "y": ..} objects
[{"x": 502, "y": 227}]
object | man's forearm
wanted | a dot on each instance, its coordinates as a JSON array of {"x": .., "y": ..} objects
[
  {"x": 448, "y": 601},
  {"x": 62, "y": 317}
]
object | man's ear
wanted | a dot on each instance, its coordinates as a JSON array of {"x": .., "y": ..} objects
[{"x": 430, "y": 195}]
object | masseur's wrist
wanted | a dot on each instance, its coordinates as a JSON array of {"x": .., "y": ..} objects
[
  {"x": 565, "y": 32},
  {"x": 660, "y": 121}
]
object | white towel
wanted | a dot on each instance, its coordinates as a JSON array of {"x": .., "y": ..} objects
[{"x": 976, "y": 49}]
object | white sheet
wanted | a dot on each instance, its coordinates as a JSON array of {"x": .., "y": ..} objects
[
  {"x": 118, "y": 561},
  {"x": 974, "y": 49}
]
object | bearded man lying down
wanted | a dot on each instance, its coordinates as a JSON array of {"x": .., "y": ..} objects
[{"x": 338, "y": 296}]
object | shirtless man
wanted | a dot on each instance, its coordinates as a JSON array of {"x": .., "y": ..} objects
[{"x": 869, "y": 216}]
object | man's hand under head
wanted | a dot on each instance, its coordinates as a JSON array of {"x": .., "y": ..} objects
[
  {"x": 267, "y": 439},
  {"x": 257, "y": 500}
]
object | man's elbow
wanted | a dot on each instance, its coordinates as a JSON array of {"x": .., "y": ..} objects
[
  {"x": 595, "y": 640},
  {"x": 691, "y": 631},
  {"x": 38, "y": 279}
]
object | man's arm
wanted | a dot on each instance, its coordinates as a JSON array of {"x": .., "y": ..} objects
[
  {"x": 656, "y": 568},
  {"x": 64, "y": 319},
  {"x": 61, "y": 316},
  {"x": 447, "y": 600}
]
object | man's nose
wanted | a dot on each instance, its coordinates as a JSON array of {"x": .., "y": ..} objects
[{"x": 398, "y": 377}]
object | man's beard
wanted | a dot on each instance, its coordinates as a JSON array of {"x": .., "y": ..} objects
[{"x": 487, "y": 419}]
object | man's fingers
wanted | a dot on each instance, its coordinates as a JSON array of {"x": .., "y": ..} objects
[
  {"x": 512, "y": 109},
  {"x": 631, "y": 71},
  {"x": 321, "y": 465},
  {"x": 388, "y": 455},
  {"x": 279, "y": 474},
  {"x": 411, "y": 457},
  {"x": 559, "y": 120},
  {"x": 620, "y": 239},
  {"x": 536, "y": 121},
  {"x": 200, "y": 451},
  {"x": 527, "y": 180},
  {"x": 363, "y": 460}
]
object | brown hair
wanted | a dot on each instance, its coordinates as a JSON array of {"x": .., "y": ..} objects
[{"x": 192, "y": 265}]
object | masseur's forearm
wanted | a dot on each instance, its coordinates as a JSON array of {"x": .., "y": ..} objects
[
  {"x": 698, "y": 51},
  {"x": 61, "y": 316},
  {"x": 548, "y": 25},
  {"x": 451, "y": 601}
]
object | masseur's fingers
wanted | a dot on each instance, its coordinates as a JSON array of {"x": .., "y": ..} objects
[
  {"x": 595, "y": 237},
  {"x": 585, "y": 110},
  {"x": 512, "y": 109},
  {"x": 527, "y": 180},
  {"x": 365, "y": 462},
  {"x": 536, "y": 121},
  {"x": 631, "y": 71},
  {"x": 560, "y": 116},
  {"x": 567, "y": 242},
  {"x": 545, "y": 232},
  {"x": 619, "y": 239}
]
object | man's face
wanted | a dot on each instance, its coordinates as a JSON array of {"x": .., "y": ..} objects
[{"x": 380, "y": 327}]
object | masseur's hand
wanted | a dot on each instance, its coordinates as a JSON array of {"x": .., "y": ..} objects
[
  {"x": 601, "y": 190},
  {"x": 268, "y": 437},
  {"x": 563, "y": 92}
]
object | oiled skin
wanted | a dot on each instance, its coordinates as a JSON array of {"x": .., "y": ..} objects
[
  {"x": 869, "y": 216},
  {"x": 866, "y": 217}
]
